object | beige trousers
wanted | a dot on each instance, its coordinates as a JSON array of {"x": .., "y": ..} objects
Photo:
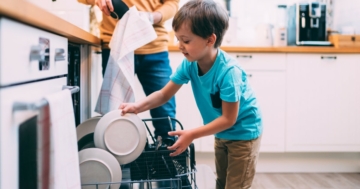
[{"x": 235, "y": 162}]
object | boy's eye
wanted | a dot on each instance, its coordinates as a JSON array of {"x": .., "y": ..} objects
[{"x": 186, "y": 42}]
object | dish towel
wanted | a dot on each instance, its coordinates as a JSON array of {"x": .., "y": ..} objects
[
  {"x": 64, "y": 158},
  {"x": 43, "y": 157},
  {"x": 132, "y": 32}
]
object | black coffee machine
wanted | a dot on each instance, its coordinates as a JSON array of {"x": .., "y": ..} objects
[{"x": 307, "y": 24}]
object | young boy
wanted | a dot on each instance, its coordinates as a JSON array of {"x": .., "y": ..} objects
[{"x": 226, "y": 102}]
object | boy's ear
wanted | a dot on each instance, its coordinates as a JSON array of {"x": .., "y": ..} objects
[{"x": 211, "y": 39}]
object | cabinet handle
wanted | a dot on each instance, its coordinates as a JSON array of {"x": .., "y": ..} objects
[
  {"x": 329, "y": 57},
  {"x": 249, "y": 75},
  {"x": 243, "y": 56},
  {"x": 59, "y": 54}
]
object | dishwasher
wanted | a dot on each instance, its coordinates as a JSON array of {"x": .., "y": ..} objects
[{"x": 155, "y": 169}]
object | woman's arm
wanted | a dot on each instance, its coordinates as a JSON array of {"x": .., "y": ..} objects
[
  {"x": 87, "y": 2},
  {"x": 166, "y": 11}
]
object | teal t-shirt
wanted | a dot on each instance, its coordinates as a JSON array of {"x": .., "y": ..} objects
[{"x": 225, "y": 81}]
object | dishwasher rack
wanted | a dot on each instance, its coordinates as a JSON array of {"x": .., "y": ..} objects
[{"x": 155, "y": 169}]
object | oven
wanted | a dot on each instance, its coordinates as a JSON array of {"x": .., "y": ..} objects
[{"x": 33, "y": 64}]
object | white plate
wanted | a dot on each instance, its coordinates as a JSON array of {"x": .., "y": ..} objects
[
  {"x": 123, "y": 136},
  {"x": 87, "y": 127},
  {"x": 85, "y": 132},
  {"x": 98, "y": 166}
]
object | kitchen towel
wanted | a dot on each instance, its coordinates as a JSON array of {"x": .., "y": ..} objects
[
  {"x": 43, "y": 154},
  {"x": 131, "y": 32},
  {"x": 64, "y": 158}
]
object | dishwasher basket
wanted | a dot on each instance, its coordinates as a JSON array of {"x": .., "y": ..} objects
[
  {"x": 157, "y": 164},
  {"x": 155, "y": 169}
]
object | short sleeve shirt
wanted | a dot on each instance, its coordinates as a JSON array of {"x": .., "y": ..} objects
[{"x": 225, "y": 81}]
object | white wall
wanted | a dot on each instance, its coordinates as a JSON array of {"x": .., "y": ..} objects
[
  {"x": 248, "y": 13},
  {"x": 347, "y": 13},
  {"x": 252, "y": 13}
]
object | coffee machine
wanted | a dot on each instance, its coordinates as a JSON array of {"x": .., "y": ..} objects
[{"x": 307, "y": 24}]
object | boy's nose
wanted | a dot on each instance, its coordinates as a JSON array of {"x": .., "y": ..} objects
[{"x": 181, "y": 47}]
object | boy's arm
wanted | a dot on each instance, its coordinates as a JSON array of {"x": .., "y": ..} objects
[
  {"x": 156, "y": 98},
  {"x": 225, "y": 121}
]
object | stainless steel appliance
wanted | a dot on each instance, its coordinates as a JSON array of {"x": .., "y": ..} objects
[
  {"x": 307, "y": 24},
  {"x": 33, "y": 64}
]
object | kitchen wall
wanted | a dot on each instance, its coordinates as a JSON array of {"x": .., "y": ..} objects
[
  {"x": 248, "y": 14},
  {"x": 346, "y": 13},
  {"x": 251, "y": 19}
]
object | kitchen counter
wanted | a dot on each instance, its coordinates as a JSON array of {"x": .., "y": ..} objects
[
  {"x": 25, "y": 12},
  {"x": 289, "y": 49}
]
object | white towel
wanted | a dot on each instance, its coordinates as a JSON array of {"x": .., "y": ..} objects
[
  {"x": 64, "y": 158},
  {"x": 132, "y": 32}
]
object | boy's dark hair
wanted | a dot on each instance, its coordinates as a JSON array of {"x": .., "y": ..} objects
[{"x": 204, "y": 17}]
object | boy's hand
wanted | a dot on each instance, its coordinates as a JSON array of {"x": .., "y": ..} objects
[
  {"x": 184, "y": 140},
  {"x": 128, "y": 108}
]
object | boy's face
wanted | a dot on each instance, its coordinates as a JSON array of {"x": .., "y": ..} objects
[{"x": 192, "y": 46}]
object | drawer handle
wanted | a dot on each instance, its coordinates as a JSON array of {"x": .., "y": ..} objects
[
  {"x": 329, "y": 57},
  {"x": 243, "y": 56},
  {"x": 249, "y": 75},
  {"x": 59, "y": 54}
]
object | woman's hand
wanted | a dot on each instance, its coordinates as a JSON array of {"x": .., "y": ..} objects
[
  {"x": 185, "y": 138},
  {"x": 105, "y": 6},
  {"x": 129, "y": 108}
]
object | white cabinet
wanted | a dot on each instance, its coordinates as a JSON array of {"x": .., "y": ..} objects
[
  {"x": 269, "y": 88},
  {"x": 261, "y": 61},
  {"x": 266, "y": 74},
  {"x": 323, "y": 103}
]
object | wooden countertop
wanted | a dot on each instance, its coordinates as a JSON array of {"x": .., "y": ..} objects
[
  {"x": 289, "y": 49},
  {"x": 25, "y": 12}
]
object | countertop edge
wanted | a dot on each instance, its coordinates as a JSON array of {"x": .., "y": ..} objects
[
  {"x": 288, "y": 49},
  {"x": 27, "y": 13}
]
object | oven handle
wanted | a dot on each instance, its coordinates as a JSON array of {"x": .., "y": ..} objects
[{"x": 18, "y": 106}]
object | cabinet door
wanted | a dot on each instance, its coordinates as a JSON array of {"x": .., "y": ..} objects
[
  {"x": 261, "y": 61},
  {"x": 268, "y": 84},
  {"x": 269, "y": 88},
  {"x": 323, "y": 107}
]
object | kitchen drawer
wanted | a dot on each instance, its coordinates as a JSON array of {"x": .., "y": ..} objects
[
  {"x": 28, "y": 53},
  {"x": 261, "y": 61}
]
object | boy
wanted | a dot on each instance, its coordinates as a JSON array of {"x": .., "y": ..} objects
[{"x": 226, "y": 102}]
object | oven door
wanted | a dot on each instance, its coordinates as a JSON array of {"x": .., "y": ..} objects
[{"x": 23, "y": 156}]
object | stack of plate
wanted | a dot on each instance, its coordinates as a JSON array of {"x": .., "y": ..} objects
[
  {"x": 85, "y": 133},
  {"x": 97, "y": 168},
  {"x": 123, "y": 138}
]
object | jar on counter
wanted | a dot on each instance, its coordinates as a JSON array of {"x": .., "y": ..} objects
[{"x": 280, "y": 29}]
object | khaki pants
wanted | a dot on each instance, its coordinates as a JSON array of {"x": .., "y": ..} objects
[{"x": 235, "y": 162}]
